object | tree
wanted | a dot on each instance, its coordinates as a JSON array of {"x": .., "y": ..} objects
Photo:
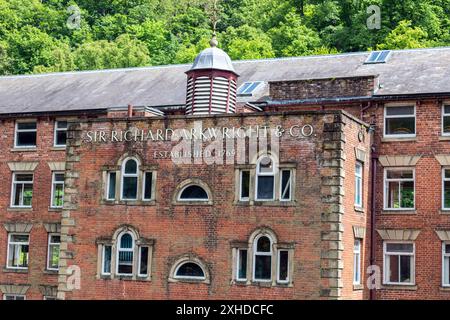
[
  {"x": 405, "y": 37},
  {"x": 247, "y": 42}
]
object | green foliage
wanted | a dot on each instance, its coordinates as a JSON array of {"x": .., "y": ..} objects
[{"x": 35, "y": 38}]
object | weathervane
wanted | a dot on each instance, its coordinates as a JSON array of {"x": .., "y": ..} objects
[{"x": 214, "y": 16}]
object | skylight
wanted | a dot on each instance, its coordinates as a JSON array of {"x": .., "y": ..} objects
[
  {"x": 378, "y": 56},
  {"x": 247, "y": 88}
]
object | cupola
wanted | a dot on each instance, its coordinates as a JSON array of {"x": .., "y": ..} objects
[{"x": 211, "y": 83}]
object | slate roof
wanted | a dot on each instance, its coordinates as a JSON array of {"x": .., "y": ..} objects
[{"x": 420, "y": 71}]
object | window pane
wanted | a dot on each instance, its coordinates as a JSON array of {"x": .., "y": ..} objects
[
  {"x": 24, "y": 177},
  {"x": 130, "y": 187},
  {"x": 265, "y": 187},
  {"x": 61, "y": 124},
  {"x": 400, "y": 174},
  {"x": 400, "y": 126},
  {"x": 148, "y": 185},
  {"x": 27, "y": 194},
  {"x": 263, "y": 267},
  {"x": 286, "y": 184},
  {"x": 245, "y": 184},
  {"x": 400, "y": 247},
  {"x": 126, "y": 241},
  {"x": 190, "y": 269},
  {"x": 263, "y": 245},
  {"x": 266, "y": 165},
  {"x": 400, "y": 111},
  {"x": 393, "y": 275},
  {"x": 447, "y": 248},
  {"x": 447, "y": 173},
  {"x": 125, "y": 262},
  {"x": 53, "y": 256},
  {"x": 144, "y": 260},
  {"x": 59, "y": 177},
  {"x": 194, "y": 192},
  {"x": 283, "y": 267},
  {"x": 61, "y": 137},
  {"x": 112, "y": 185},
  {"x": 107, "y": 260},
  {"x": 405, "y": 268},
  {"x": 58, "y": 195},
  {"x": 19, "y": 238},
  {"x": 393, "y": 200},
  {"x": 447, "y": 109},
  {"x": 407, "y": 194},
  {"x": 26, "y": 139},
  {"x": 446, "y": 270},
  {"x": 446, "y": 124},
  {"x": 26, "y": 126},
  {"x": 131, "y": 167},
  {"x": 242, "y": 267}
]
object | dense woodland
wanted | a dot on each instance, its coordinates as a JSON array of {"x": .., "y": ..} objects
[{"x": 35, "y": 36}]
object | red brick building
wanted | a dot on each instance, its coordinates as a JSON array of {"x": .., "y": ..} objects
[{"x": 304, "y": 178}]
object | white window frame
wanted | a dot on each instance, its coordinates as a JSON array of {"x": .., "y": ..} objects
[
  {"x": 102, "y": 272},
  {"x": 108, "y": 182},
  {"x": 444, "y": 208},
  {"x": 385, "y": 187},
  {"x": 49, "y": 243},
  {"x": 359, "y": 184},
  {"x": 386, "y": 135},
  {"x": 357, "y": 261},
  {"x": 54, "y": 183},
  {"x": 132, "y": 250},
  {"x": 266, "y": 174},
  {"x": 130, "y": 175},
  {"x": 17, "y": 130},
  {"x": 443, "y": 114},
  {"x": 15, "y": 296},
  {"x": 55, "y": 131},
  {"x": 14, "y": 190},
  {"x": 278, "y": 266},
  {"x": 413, "y": 264},
  {"x": 244, "y": 199},
  {"x": 176, "y": 276},
  {"x": 445, "y": 255},
  {"x": 257, "y": 253},
  {"x": 238, "y": 262},
  {"x": 144, "y": 180},
  {"x": 140, "y": 261},
  {"x": 19, "y": 243},
  {"x": 291, "y": 173},
  {"x": 192, "y": 199}
]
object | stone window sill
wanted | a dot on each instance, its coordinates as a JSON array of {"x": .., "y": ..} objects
[
  {"x": 129, "y": 203},
  {"x": 58, "y": 148},
  {"x": 53, "y": 209},
  {"x": 446, "y": 211},
  {"x": 52, "y": 272},
  {"x": 266, "y": 203},
  {"x": 32, "y": 149},
  {"x": 359, "y": 209},
  {"x": 268, "y": 284},
  {"x": 399, "y": 212},
  {"x": 11, "y": 270},
  {"x": 124, "y": 278},
  {"x": 357, "y": 287},
  {"x": 192, "y": 203},
  {"x": 444, "y": 288},
  {"x": 395, "y": 139},
  {"x": 410, "y": 287},
  {"x": 19, "y": 209},
  {"x": 194, "y": 281},
  {"x": 444, "y": 138}
]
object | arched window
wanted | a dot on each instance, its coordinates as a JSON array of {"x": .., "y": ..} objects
[
  {"x": 193, "y": 193},
  {"x": 190, "y": 270},
  {"x": 125, "y": 253},
  {"x": 265, "y": 178},
  {"x": 262, "y": 258},
  {"x": 130, "y": 169}
]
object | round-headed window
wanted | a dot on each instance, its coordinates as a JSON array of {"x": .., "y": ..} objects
[
  {"x": 193, "y": 193},
  {"x": 190, "y": 270}
]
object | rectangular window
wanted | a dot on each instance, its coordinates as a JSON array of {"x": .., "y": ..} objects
[
  {"x": 400, "y": 121},
  {"x": 265, "y": 189},
  {"x": 18, "y": 249},
  {"x": 241, "y": 273},
  {"x": 359, "y": 184},
  {"x": 148, "y": 180},
  {"x": 283, "y": 266},
  {"x": 111, "y": 186},
  {"x": 106, "y": 255},
  {"x": 398, "y": 263},
  {"x": 54, "y": 241},
  {"x": 143, "y": 261},
  {"x": 60, "y": 134},
  {"x": 286, "y": 182},
  {"x": 22, "y": 190},
  {"x": 446, "y": 264},
  {"x": 446, "y": 120},
  {"x": 446, "y": 189},
  {"x": 244, "y": 186},
  {"x": 357, "y": 262},
  {"x": 13, "y": 297},
  {"x": 26, "y": 133},
  {"x": 57, "y": 189},
  {"x": 399, "y": 189}
]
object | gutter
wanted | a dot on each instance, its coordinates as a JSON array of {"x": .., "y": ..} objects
[{"x": 374, "y": 160}]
